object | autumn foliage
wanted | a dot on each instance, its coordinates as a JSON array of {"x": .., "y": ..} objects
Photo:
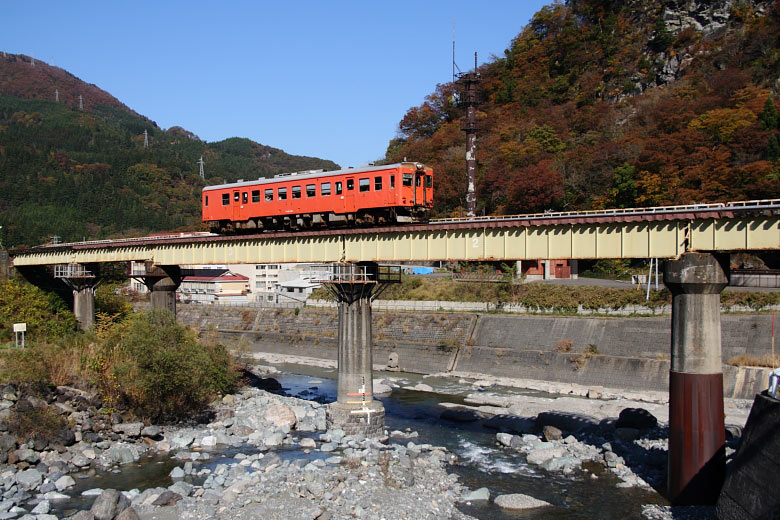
[{"x": 598, "y": 104}]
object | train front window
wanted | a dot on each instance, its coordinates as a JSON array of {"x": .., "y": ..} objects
[
  {"x": 235, "y": 197},
  {"x": 325, "y": 189},
  {"x": 269, "y": 195},
  {"x": 282, "y": 193},
  {"x": 311, "y": 190},
  {"x": 225, "y": 199},
  {"x": 377, "y": 183},
  {"x": 407, "y": 179},
  {"x": 428, "y": 181},
  {"x": 417, "y": 180},
  {"x": 244, "y": 198},
  {"x": 296, "y": 192},
  {"x": 255, "y": 195},
  {"x": 365, "y": 184},
  {"x": 350, "y": 184},
  {"x": 392, "y": 182},
  {"x": 338, "y": 188},
  {"x": 207, "y": 201}
]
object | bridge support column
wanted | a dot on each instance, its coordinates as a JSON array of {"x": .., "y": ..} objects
[
  {"x": 84, "y": 306},
  {"x": 162, "y": 282},
  {"x": 696, "y": 419},
  {"x": 355, "y": 410}
]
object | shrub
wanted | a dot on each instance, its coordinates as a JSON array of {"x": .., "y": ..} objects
[
  {"x": 159, "y": 368},
  {"x": 45, "y": 313},
  {"x": 38, "y": 424}
]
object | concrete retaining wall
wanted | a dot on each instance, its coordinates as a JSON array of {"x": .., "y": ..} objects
[{"x": 627, "y": 353}]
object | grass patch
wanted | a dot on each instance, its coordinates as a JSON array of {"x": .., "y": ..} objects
[
  {"x": 764, "y": 361},
  {"x": 564, "y": 299}
]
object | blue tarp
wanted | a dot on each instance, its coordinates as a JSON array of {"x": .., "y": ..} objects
[{"x": 422, "y": 270}]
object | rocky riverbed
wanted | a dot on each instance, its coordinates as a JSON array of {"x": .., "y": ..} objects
[{"x": 262, "y": 455}]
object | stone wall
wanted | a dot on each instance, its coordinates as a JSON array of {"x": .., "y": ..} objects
[{"x": 627, "y": 353}]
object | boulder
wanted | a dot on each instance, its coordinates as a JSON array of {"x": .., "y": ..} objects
[
  {"x": 510, "y": 423},
  {"x": 128, "y": 514},
  {"x": 551, "y": 433},
  {"x": 129, "y": 429},
  {"x": 109, "y": 504},
  {"x": 478, "y": 494},
  {"x": 280, "y": 416},
  {"x": 167, "y": 498},
  {"x": 64, "y": 482},
  {"x": 637, "y": 418},
  {"x": 517, "y": 502},
  {"x": 29, "y": 479},
  {"x": 83, "y": 515}
]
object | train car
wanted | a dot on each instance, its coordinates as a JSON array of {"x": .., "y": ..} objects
[{"x": 370, "y": 195}]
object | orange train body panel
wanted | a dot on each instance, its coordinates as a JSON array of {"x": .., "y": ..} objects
[{"x": 404, "y": 189}]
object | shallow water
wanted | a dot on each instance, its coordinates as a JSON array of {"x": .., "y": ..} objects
[{"x": 481, "y": 462}]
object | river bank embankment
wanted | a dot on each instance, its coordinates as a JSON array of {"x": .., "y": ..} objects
[{"x": 597, "y": 353}]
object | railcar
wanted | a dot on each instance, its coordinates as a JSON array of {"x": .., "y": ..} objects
[{"x": 372, "y": 195}]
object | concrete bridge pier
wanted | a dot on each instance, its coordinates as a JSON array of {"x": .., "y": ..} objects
[
  {"x": 162, "y": 282},
  {"x": 84, "y": 306},
  {"x": 355, "y": 410},
  {"x": 696, "y": 420}
]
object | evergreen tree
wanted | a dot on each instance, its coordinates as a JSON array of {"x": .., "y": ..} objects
[
  {"x": 663, "y": 39},
  {"x": 773, "y": 148},
  {"x": 768, "y": 116}
]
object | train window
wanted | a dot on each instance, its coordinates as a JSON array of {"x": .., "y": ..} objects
[
  {"x": 377, "y": 183},
  {"x": 365, "y": 184},
  {"x": 407, "y": 179},
  {"x": 244, "y": 197},
  {"x": 207, "y": 200},
  {"x": 225, "y": 199},
  {"x": 255, "y": 195},
  {"x": 325, "y": 189},
  {"x": 338, "y": 188},
  {"x": 350, "y": 184},
  {"x": 235, "y": 197},
  {"x": 269, "y": 195},
  {"x": 296, "y": 192},
  {"x": 428, "y": 181},
  {"x": 282, "y": 193},
  {"x": 392, "y": 182},
  {"x": 311, "y": 190}
]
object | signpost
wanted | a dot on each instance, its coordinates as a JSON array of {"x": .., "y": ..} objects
[{"x": 19, "y": 328}]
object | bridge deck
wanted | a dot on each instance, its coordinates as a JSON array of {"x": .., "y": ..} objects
[{"x": 663, "y": 232}]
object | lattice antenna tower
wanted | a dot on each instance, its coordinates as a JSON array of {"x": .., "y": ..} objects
[
  {"x": 81, "y": 102},
  {"x": 57, "y": 95},
  {"x": 32, "y": 62},
  {"x": 201, "y": 172},
  {"x": 146, "y": 139}
]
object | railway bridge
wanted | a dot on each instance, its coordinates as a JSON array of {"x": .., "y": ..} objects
[{"x": 697, "y": 238}]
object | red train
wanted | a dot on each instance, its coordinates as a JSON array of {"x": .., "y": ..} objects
[{"x": 353, "y": 197}]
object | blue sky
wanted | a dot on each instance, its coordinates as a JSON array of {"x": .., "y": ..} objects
[{"x": 328, "y": 79}]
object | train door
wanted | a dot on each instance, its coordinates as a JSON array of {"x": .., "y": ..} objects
[
  {"x": 350, "y": 204},
  {"x": 236, "y": 205}
]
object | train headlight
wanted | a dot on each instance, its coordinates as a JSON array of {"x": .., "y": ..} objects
[{"x": 419, "y": 166}]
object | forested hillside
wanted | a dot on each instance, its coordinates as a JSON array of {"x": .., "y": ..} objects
[
  {"x": 615, "y": 104},
  {"x": 86, "y": 174}
]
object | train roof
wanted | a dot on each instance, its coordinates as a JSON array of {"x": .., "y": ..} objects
[{"x": 315, "y": 175}]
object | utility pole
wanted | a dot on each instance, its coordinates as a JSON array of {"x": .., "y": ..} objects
[
  {"x": 469, "y": 96},
  {"x": 57, "y": 95},
  {"x": 81, "y": 102},
  {"x": 146, "y": 139},
  {"x": 201, "y": 172}
]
